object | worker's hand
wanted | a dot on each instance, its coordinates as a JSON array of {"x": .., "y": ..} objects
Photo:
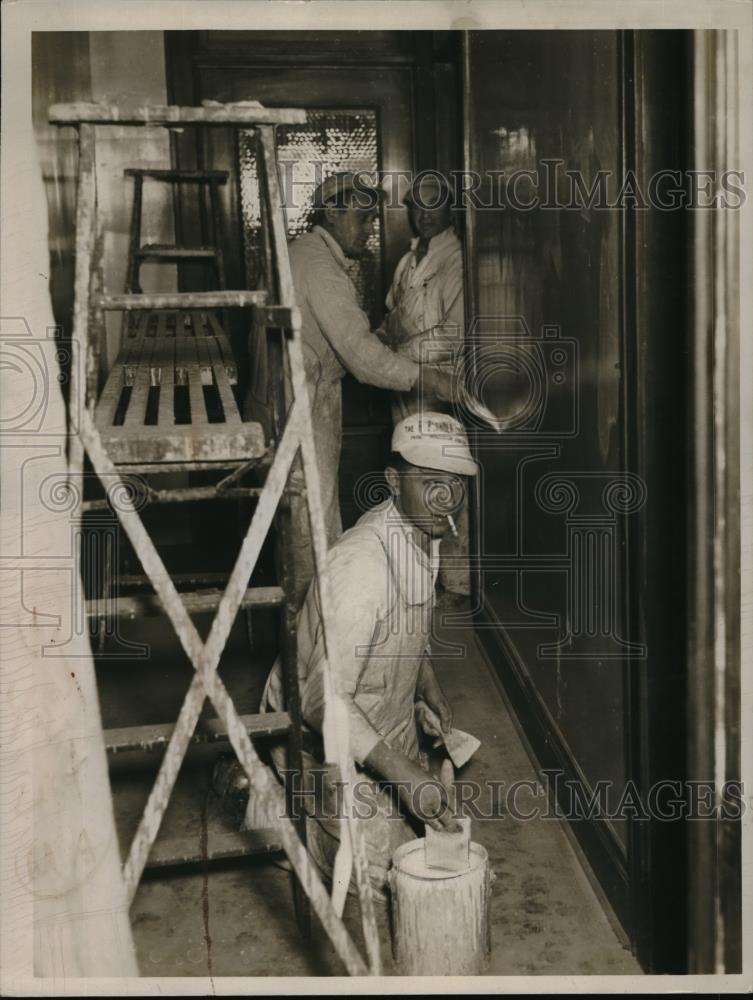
[
  {"x": 436, "y": 700},
  {"x": 385, "y": 334},
  {"x": 423, "y": 796},
  {"x": 437, "y": 382},
  {"x": 435, "y": 720},
  {"x": 429, "y": 690},
  {"x": 429, "y": 721},
  {"x": 428, "y": 800},
  {"x": 392, "y": 333},
  {"x": 410, "y": 348}
]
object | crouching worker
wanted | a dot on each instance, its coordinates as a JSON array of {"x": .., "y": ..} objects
[{"x": 382, "y": 573}]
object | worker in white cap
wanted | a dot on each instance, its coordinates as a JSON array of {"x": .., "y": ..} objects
[
  {"x": 425, "y": 322},
  {"x": 382, "y": 574},
  {"x": 337, "y": 338}
]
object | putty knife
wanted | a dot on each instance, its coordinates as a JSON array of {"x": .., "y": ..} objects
[{"x": 444, "y": 849}]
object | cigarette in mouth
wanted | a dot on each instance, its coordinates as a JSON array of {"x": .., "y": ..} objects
[{"x": 451, "y": 523}]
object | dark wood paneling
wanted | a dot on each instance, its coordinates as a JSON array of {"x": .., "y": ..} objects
[
  {"x": 553, "y": 96},
  {"x": 335, "y": 48},
  {"x": 615, "y": 284}
]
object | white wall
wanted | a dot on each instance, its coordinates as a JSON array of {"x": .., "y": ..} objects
[{"x": 128, "y": 67}]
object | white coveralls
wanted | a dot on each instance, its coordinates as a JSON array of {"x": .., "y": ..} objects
[
  {"x": 383, "y": 589},
  {"x": 336, "y": 337},
  {"x": 426, "y": 304}
]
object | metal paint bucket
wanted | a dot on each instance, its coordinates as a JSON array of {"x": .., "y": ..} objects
[{"x": 440, "y": 920}]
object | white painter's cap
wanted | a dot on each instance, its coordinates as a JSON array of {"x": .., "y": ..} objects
[{"x": 434, "y": 441}]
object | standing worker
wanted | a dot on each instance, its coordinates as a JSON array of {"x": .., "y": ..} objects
[
  {"x": 425, "y": 321},
  {"x": 382, "y": 573},
  {"x": 337, "y": 338}
]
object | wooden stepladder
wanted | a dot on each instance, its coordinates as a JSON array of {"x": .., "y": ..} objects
[
  {"x": 141, "y": 253},
  {"x": 114, "y": 447}
]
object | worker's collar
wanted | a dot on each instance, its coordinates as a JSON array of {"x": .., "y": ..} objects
[
  {"x": 437, "y": 243},
  {"x": 337, "y": 250},
  {"x": 415, "y": 570}
]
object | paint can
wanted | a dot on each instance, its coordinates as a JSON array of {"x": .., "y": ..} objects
[{"x": 440, "y": 920}]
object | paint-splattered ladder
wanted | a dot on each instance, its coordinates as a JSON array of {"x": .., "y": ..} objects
[{"x": 148, "y": 364}]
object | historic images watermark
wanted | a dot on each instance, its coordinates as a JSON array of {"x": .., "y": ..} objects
[
  {"x": 550, "y": 185},
  {"x": 550, "y": 796},
  {"x": 97, "y": 539},
  {"x": 39, "y": 367},
  {"x": 25, "y": 358}
]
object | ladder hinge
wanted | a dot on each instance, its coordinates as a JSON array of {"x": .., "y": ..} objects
[{"x": 279, "y": 317}]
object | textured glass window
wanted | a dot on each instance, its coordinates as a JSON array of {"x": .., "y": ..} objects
[{"x": 331, "y": 140}]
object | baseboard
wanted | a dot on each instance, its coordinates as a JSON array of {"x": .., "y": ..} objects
[{"x": 597, "y": 847}]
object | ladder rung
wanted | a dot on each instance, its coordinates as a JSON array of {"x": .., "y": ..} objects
[
  {"x": 169, "y": 114},
  {"x": 142, "y": 580},
  {"x": 181, "y": 300},
  {"x": 179, "y": 175},
  {"x": 160, "y": 251},
  {"x": 195, "y": 602},
  {"x": 133, "y": 738},
  {"x": 219, "y": 846}
]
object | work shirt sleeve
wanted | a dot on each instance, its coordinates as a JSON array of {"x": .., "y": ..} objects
[
  {"x": 357, "y": 586},
  {"x": 346, "y": 327}
]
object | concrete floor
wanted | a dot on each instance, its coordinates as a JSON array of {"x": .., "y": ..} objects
[{"x": 236, "y": 919}]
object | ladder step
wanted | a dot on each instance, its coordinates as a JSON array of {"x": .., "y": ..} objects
[
  {"x": 179, "y": 175},
  {"x": 162, "y": 251},
  {"x": 168, "y": 114},
  {"x": 196, "y": 602},
  {"x": 181, "y": 300},
  {"x": 179, "y": 579},
  {"x": 134, "y": 738},
  {"x": 219, "y": 847}
]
